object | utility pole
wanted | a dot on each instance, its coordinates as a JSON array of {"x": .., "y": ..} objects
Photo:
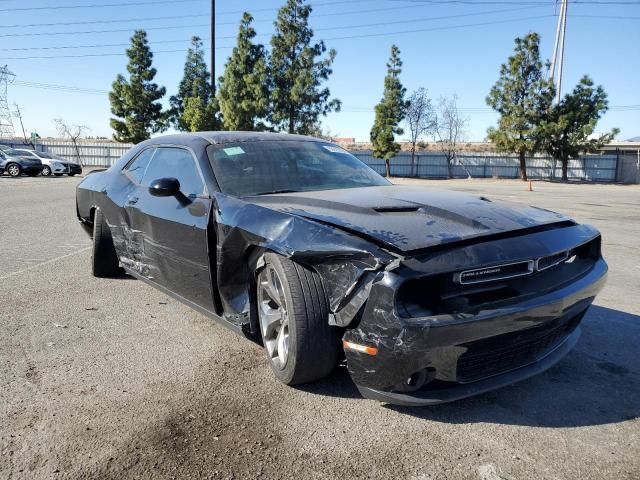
[
  {"x": 558, "y": 50},
  {"x": 213, "y": 46},
  {"x": 6, "y": 122}
]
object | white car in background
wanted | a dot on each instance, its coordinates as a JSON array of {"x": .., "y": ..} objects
[{"x": 53, "y": 164}]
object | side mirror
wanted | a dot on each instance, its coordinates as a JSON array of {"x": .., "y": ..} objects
[{"x": 164, "y": 187}]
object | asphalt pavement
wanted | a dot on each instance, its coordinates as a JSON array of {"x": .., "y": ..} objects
[{"x": 109, "y": 378}]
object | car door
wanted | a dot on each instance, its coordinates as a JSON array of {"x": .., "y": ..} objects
[
  {"x": 120, "y": 211},
  {"x": 174, "y": 229}
]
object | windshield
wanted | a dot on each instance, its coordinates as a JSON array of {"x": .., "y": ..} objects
[{"x": 258, "y": 168}]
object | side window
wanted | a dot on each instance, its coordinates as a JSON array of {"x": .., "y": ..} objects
[
  {"x": 137, "y": 168},
  {"x": 177, "y": 163}
]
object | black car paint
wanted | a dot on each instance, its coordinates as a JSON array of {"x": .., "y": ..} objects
[{"x": 364, "y": 243}]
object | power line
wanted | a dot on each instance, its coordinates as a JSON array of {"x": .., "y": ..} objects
[
  {"x": 95, "y": 5},
  {"x": 158, "y": 2},
  {"x": 97, "y": 22},
  {"x": 173, "y": 17},
  {"x": 64, "y": 88},
  {"x": 509, "y": 2},
  {"x": 64, "y": 47},
  {"x": 342, "y": 27},
  {"x": 416, "y": 4},
  {"x": 368, "y": 35},
  {"x": 44, "y": 34}
]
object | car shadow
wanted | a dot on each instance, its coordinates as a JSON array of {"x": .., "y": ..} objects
[{"x": 597, "y": 383}]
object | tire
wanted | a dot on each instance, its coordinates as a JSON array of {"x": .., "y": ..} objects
[
  {"x": 104, "y": 261},
  {"x": 312, "y": 345},
  {"x": 46, "y": 171},
  {"x": 13, "y": 169}
]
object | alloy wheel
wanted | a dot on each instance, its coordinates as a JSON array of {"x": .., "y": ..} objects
[
  {"x": 14, "y": 170},
  {"x": 273, "y": 316},
  {"x": 46, "y": 171}
]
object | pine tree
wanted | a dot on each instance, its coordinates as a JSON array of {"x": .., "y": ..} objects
[
  {"x": 243, "y": 91},
  {"x": 298, "y": 70},
  {"x": 522, "y": 96},
  {"x": 135, "y": 101},
  {"x": 194, "y": 83},
  {"x": 389, "y": 112},
  {"x": 199, "y": 114},
  {"x": 568, "y": 129}
]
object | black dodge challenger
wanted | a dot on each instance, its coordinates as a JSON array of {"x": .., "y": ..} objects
[{"x": 430, "y": 295}]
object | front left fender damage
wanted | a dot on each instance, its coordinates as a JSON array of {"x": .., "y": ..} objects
[{"x": 346, "y": 264}]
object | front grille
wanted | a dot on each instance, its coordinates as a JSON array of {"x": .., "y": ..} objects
[
  {"x": 500, "y": 354},
  {"x": 471, "y": 291}
]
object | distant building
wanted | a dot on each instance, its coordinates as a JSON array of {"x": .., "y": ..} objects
[{"x": 344, "y": 140}]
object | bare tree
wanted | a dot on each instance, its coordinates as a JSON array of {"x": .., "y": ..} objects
[
  {"x": 449, "y": 130},
  {"x": 72, "y": 132},
  {"x": 420, "y": 118},
  {"x": 18, "y": 114}
]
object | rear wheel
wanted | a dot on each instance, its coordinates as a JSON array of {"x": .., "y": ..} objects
[
  {"x": 14, "y": 169},
  {"x": 293, "y": 313},
  {"x": 104, "y": 261}
]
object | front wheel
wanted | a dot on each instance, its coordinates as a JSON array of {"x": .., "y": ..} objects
[
  {"x": 14, "y": 170},
  {"x": 293, "y": 313},
  {"x": 46, "y": 171},
  {"x": 104, "y": 260}
]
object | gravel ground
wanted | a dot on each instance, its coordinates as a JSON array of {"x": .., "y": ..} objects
[{"x": 112, "y": 379}]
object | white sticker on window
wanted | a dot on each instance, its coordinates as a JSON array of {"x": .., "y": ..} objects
[
  {"x": 333, "y": 149},
  {"x": 233, "y": 151}
]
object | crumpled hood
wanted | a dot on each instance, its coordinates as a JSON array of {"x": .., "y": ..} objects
[{"x": 409, "y": 218}]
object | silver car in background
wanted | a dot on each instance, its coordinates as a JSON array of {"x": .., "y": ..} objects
[{"x": 53, "y": 164}]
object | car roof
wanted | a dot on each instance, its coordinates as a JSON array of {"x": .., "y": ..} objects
[{"x": 233, "y": 137}]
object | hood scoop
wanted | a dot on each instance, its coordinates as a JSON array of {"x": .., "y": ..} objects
[{"x": 396, "y": 209}]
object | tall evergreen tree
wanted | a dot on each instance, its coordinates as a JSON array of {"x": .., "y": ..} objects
[
  {"x": 568, "y": 129},
  {"x": 298, "y": 70},
  {"x": 389, "y": 112},
  {"x": 522, "y": 96},
  {"x": 135, "y": 102},
  {"x": 194, "y": 83},
  {"x": 243, "y": 91},
  {"x": 200, "y": 114}
]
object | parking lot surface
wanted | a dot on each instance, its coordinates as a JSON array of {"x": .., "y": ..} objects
[{"x": 109, "y": 378}]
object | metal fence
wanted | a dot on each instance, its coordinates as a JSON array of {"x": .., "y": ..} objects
[
  {"x": 93, "y": 153},
  {"x": 595, "y": 168}
]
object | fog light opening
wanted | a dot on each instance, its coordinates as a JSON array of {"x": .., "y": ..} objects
[{"x": 416, "y": 380}]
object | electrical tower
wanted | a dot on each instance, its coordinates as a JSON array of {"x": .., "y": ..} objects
[
  {"x": 558, "y": 50},
  {"x": 6, "y": 124}
]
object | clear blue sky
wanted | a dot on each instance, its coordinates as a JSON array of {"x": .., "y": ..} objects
[{"x": 455, "y": 47}]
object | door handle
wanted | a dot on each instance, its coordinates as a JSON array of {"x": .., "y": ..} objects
[{"x": 132, "y": 201}]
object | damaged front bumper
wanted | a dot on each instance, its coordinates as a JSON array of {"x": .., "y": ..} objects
[{"x": 430, "y": 359}]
